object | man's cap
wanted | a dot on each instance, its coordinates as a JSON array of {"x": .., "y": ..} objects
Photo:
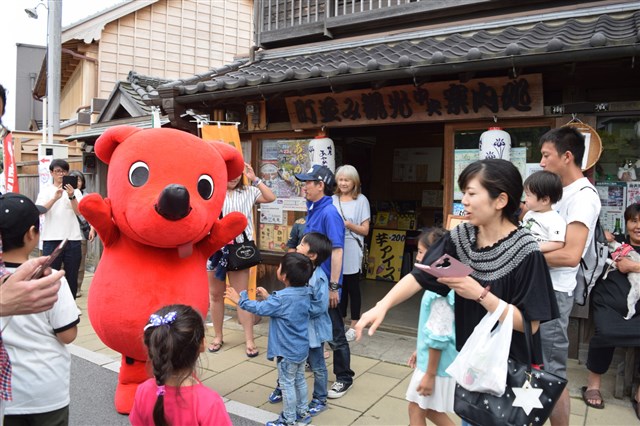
[
  {"x": 318, "y": 173},
  {"x": 17, "y": 214}
]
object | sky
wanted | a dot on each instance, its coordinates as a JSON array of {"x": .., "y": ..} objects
[{"x": 17, "y": 27}]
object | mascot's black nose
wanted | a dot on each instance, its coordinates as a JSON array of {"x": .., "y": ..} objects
[{"x": 173, "y": 203}]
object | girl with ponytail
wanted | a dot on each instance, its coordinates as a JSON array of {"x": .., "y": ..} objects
[{"x": 174, "y": 338}]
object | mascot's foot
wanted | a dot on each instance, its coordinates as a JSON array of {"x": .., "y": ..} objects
[{"x": 132, "y": 373}]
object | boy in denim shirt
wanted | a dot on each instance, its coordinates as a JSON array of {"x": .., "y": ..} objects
[
  {"x": 317, "y": 247},
  {"x": 288, "y": 332}
]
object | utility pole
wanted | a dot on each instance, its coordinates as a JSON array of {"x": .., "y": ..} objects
[{"x": 54, "y": 64}]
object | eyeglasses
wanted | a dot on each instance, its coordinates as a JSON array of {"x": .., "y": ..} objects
[{"x": 59, "y": 171}]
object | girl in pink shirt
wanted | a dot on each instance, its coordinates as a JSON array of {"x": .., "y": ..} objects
[{"x": 174, "y": 338}]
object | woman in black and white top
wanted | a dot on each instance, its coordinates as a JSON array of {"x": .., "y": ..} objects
[{"x": 240, "y": 198}]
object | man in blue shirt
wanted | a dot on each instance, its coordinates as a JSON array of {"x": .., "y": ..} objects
[{"x": 323, "y": 217}]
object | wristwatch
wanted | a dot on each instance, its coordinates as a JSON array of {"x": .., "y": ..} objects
[
  {"x": 73, "y": 197},
  {"x": 257, "y": 182},
  {"x": 334, "y": 286}
]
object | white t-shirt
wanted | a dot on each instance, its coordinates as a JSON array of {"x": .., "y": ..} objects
[
  {"x": 40, "y": 362},
  {"x": 356, "y": 212},
  {"x": 60, "y": 220},
  {"x": 546, "y": 226},
  {"x": 579, "y": 203}
]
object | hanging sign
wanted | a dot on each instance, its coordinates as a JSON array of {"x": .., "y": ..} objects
[{"x": 441, "y": 101}]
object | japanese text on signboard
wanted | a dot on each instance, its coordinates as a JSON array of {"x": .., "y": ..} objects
[{"x": 430, "y": 102}]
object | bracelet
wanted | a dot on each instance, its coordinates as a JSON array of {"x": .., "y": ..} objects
[
  {"x": 484, "y": 294},
  {"x": 73, "y": 197},
  {"x": 257, "y": 182}
]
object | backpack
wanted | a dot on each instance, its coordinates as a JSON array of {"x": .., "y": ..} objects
[{"x": 592, "y": 264}]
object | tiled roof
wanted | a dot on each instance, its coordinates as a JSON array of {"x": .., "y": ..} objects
[{"x": 469, "y": 50}]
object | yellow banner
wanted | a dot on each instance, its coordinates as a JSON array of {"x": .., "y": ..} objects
[
  {"x": 385, "y": 254},
  {"x": 229, "y": 134}
]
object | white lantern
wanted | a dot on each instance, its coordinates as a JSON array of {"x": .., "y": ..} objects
[
  {"x": 322, "y": 152},
  {"x": 495, "y": 143}
]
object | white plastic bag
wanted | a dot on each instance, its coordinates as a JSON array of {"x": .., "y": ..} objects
[{"x": 481, "y": 365}]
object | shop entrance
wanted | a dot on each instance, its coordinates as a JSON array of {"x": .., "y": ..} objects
[{"x": 401, "y": 169}]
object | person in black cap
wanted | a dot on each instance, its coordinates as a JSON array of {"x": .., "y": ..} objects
[
  {"x": 35, "y": 342},
  {"x": 323, "y": 217}
]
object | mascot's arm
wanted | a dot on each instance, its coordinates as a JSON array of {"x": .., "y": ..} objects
[
  {"x": 224, "y": 231},
  {"x": 98, "y": 213}
]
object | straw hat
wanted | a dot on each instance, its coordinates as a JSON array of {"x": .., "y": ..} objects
[{"x": 595, "y": 143}]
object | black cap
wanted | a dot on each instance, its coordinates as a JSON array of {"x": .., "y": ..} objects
[
  {"x": 318, "y": 173},
  {"x": 17, "y": 214}
]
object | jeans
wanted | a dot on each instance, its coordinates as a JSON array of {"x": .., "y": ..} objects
[
  {"x": 320, "y": 373},
  {"x": 294, "y": 389},
  {"x": 71, "y": 257},
  {"x": 340, "y": 347}
]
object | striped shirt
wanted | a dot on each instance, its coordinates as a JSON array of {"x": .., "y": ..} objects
[{"x": 242, "y": 200}]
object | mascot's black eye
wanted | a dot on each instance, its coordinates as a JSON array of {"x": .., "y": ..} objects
[
  {"x": 138, "y": 173},
  {"x": 205, "y": 186}
]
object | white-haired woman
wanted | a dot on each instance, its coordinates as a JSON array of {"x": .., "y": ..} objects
[{"x": 356, "y": 212}]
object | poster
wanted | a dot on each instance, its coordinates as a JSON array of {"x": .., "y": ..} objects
[
  {"x": 417, "y": 165},
  {"x": 271, "y": 213},
  {"x": 385, "y": 254},
  {"x": 273, "y": 237},
  {"x": 281, "y": 160},
  {"x": 633, "y": 193}
]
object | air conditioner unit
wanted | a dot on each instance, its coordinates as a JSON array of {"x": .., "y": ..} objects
[{"x": 56, "y": 150}]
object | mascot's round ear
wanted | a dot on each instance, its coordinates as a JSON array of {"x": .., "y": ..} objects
[
  {"x": 231, "y": 156},
  {"x": 109, "y": 140}
]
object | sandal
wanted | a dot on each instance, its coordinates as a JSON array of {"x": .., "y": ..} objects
[
  {"x": 592, "y": 394},
  {"x": 252, "y": 352},
  {"x": 215, "y": 346}
]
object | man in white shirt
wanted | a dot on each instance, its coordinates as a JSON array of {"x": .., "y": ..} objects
[
  {"x": 562, "y": 151},
  {"x": 61, "y": 222}
]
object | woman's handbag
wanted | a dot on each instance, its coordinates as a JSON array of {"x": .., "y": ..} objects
[
  {"x": 529, "y": 398},
  {"x": 364, "y": 266},
  {"x": 243, "y": 255},
  {"x": 481, "y": 365}
]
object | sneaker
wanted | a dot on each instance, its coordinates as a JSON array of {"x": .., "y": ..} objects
[
  {"x": 275, "y": 396},
  {"x": 305, "y": 419},
  {"x": 316, "y": 407},
  {"x": 278, "y": 422},
  {"x": 338, "y": 390},
  {"x": 350, "y": 334}
]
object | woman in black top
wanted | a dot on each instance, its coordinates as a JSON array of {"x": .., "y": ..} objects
[
  {"x": 507, "y": 263},
  {"x": 609, "y": 307}
]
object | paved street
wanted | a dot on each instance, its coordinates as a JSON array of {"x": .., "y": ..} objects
[{"x": 377, "y": 397}]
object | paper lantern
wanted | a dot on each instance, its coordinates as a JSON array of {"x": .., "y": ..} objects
[
  {"x": 322, "y": 152},
  {"x": 495, "y": 143}
]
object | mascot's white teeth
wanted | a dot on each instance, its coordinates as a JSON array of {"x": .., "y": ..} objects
[{"x": 185, "y": 250}]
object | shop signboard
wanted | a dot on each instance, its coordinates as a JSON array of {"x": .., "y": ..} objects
[
  {"x": 439, "y": 101},
  {"x": 385, "y": 254}
]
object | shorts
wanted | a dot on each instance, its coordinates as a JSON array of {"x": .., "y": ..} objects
[
  {"x": 554, "y": 337},
  {"x": 217, "y": 263}
]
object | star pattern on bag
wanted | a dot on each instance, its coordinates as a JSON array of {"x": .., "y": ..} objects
[{"x": 527, "y": 398}]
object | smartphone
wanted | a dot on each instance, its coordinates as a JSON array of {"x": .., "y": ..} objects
[
  {"x": 446, "y": 266},
  {"x": 39, "y": 272},
  {"x": 70, "y": 180}
]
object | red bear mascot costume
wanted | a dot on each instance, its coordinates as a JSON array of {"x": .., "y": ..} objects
[{"x": 158, "y": 226}]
